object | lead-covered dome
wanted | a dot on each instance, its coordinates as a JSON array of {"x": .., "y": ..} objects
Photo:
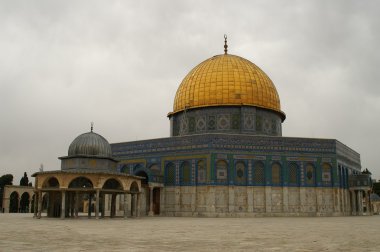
[
  {"x": 227, "y": 80},
  {"x": 90, "y": 144}
]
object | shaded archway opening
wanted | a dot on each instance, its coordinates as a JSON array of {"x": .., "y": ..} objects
[
  {"x": 13, "y": 202},
  {"x": 51, "y": 183},
  {"x": 24, "y": 203},
  {"x": 143, "y": 174},
  {"x": 81, "y": 182},
  {"x": 112, "y": 184}
]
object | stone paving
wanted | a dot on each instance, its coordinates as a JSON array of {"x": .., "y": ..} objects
[{"x": 20, "y": 232}]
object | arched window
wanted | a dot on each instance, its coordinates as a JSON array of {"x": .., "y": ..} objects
[
  {"x": 221, "y": 171},
  {"x": 170, "y": 174},
  {"x": 124, "y": 168},
  {"x": 276, "y": 174},
  {"x": 309, "y": 175},
  {"x": 201, "y": 172},
  {"x": 293, "y": 174},
  {"x": 326, "y": 174},
  {"x": 258, "y": 173},
  {"x": 185, "y": 173},
  {"x": 240, "y": 177},
  {"x": 24, "y": 203},
  {"x": 137, "y": 167}
]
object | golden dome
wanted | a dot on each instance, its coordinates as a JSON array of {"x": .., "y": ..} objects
[{"x": 227, "y": 80}]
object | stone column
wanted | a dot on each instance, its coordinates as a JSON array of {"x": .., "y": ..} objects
[
  {"x": 63, "y": 206},
  {"x": 97, "y": 204},
  {"x": 35, "y": 207},
  {"x": 76, "y": 204},
  {"x": 103, "y": 205},
  {"x": 353, "y": 202},
  {"x": 138, "y": 205},
  {"x": 150, "y": 213},
  {"x": 367, "y": 203},
  {"x": 125, "y": 205},
  {"x": 39, "y": 210},
  {"x": 133, "y": 204},
  {"x": 360, "y": 203},
  {"x": 19, "y": 204},
  {"x": 30, "y": 205}
]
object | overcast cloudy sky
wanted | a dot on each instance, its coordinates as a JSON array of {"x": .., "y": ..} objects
[{"x": 66, "y": 63}]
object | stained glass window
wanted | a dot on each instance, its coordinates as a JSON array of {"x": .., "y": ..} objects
[
  {"x": 258, "y": 173},
  {"x": 326, "y": 174},
  {"x": 293, "y": 171},
  {"x": 309, "y": 174},
  {"x": 186, "y": 173},
  {"x": 240, "y": 172},
  {"x": 201, "y": 171},
  {"x": 221, "y": 171},
  {"x": 170, "y": 174}
]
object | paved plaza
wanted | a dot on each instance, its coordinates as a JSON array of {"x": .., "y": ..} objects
[{"x": 20, "y": 232}]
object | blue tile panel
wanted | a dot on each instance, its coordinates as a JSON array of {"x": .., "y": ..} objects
[{"x": 318, "y": 162}]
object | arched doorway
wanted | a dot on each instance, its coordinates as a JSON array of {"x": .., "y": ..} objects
[
  {"x": 24, "y": 203},
  {"x": 33, "y": 202},
  {"x": 51, "y": 201},
  {"x": 145, "y": 195},
  {"x": 109, "y": 187},
  {"x": 13, "y": 202},
  {"x": 85, "y": 202}
]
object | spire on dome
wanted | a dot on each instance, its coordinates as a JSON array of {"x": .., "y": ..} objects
[{"x": 225, "y": 44}]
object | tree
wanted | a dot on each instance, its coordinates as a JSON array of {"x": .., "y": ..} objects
[
  {"x": 6, "y": 179},
  {"x": 24, "y": 181}
]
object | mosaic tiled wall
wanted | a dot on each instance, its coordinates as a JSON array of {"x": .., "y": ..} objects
[
  {"x": 246, "y": 120},
  {"x": 219, "y": 159}
]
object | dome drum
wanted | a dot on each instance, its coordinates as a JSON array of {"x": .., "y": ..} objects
[
  {"x": 85, "y": 163},
  {"x": 226, "y": 119}
]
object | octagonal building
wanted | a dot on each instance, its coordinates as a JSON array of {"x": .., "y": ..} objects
[{"x": 226, "y": 155}]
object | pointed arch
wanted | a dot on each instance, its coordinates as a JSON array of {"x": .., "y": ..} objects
[
  {"x": 276, "y": 174},
  {"x": 293, "y": 174},
  {"x": 185, "y": 173},
  {"x": 222, "y": 171},
  {"x": 310, "y": 174}
]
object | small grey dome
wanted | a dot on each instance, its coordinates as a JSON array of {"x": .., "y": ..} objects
[{"x": 90, "y": 144}]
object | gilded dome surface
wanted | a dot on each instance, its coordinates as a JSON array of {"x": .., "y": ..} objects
[
  {"x": 90, "y": 144},
  {"x": 227, "y": 80}
]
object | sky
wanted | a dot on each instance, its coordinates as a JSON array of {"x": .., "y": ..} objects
[{"x": 65, "y": 64}]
